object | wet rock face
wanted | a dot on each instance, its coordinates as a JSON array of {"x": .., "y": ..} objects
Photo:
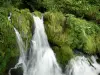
[{"x": 17, "y": 71}]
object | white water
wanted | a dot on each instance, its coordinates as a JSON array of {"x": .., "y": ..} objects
[
  {"x": 81, "y": 65},
  {"x": 40, "y": 58}
]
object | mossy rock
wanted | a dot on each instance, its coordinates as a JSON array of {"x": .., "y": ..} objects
[
  {"x": 57, "y": 36},
  {"x": 75, "y": 32},
  {"x": 63, "y": 54},
  {"x": 90, "y": 45},
  {"x": 37, "y": 13},
  {"x": 20, "y": 19},
  {"x": 82, "y": 34},
  {"x": 53, "y": 26}
]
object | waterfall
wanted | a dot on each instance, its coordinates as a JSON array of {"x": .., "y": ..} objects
[
  {"x": 81, "y": 65},
  {"x": 40, "y": 58}
]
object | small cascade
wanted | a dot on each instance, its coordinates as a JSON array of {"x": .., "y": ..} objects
[
  {"x": 81, "y": 65},
  {"x": 40, "y": 59}
]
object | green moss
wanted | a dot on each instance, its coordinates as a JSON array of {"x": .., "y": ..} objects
[
  {"x": 20, "y": 19},
  {"x": 88, "y": 9},
  {"x": 74, "y": 32},
  {"x": 7, "y": 41},
  {"x": 57, "y": 52},
  {"x": 82, "y": 34},
  {"x": 66, "y": 53},
  {"x": 53, "y": 24},
  {"x": 65, "y": 33},
  {"x": 97, "y": 38},
  {"x": 58, "y": 36},
  {"x": 37, "y": 13},
  {"x": 90, "y": 46},
  {"x": 63, "y": 54}
]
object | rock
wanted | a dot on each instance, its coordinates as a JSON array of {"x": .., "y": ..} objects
[
  {"x": 53, "y": 26},
  {"x": 67, "y": 33},
  {"x": 57, "y": 36}
]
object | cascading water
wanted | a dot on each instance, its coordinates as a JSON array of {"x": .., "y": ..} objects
[
  {"x": 40, "y": 58},
  {"x": 81, "y": 65}
]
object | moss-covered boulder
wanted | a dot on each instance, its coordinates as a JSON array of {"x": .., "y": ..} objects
[
  {"x": 37, "y": 13},
  {"x": 53, "y": 25},
  {"x": 83, "y": 34},
  {"x": 57, "y": 36},
  {"x": 63, "y": 54},
  {"x": 67, "y": 33},
  {"x": 21, "y": 20}
]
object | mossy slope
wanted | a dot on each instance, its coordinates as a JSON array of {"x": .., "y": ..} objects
[
  {"x": 20, "y": 19},
  {"x": 67, "y": 33}
]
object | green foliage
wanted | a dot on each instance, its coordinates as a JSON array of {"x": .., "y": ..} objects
[
  {"x": 82, "y": 34},
  {"x": 66, "y": 53},
  {"x": 34, "y": 4},
  {"x": 22, "y": 20},
  {"x": 90, "y": 45},
  {"x": 7, "y": 41},
  {"x": 7, "y": 3},
  {"x": 63, "y": 54},
  {"x": 76, "y": 33},
  {"x": 65, "y": 32},
  {"x": 88, "y": 9},
  {"x": 41, "y": 5},
  {"x": 37, "y": 13},
  {"x": 97, "y": 38},
  {"x": 53, "y": 24}
]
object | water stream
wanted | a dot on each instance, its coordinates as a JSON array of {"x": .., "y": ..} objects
[{"x": 40, "y": 58}]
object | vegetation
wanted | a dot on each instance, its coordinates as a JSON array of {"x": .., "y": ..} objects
[
  {"x": 22, "y": 20},
  {"x": 67, "y": 33},
  {"x": 70, "y": 25},
  {"x": 53, "y": 24},
  {"x": 83, "y": 34},
  {"x": 88, "y": 9}
]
